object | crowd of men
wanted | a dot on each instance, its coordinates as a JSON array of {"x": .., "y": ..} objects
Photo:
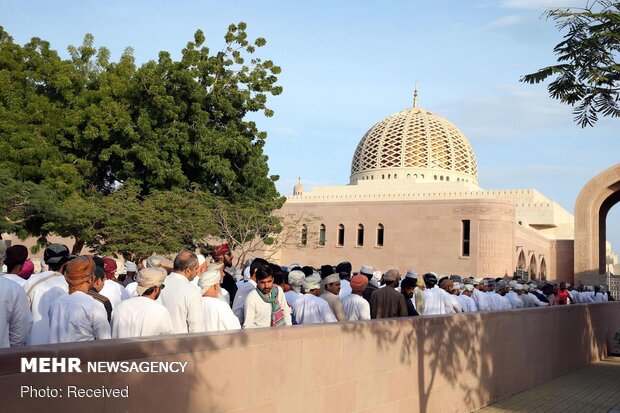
[{"x": 82, "y": 298}]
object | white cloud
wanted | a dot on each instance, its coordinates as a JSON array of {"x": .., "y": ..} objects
[
  {"x": 504, "y": 21},
  {"x": 540, "y": 4}
]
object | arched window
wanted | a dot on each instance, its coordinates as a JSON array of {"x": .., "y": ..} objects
[
  {"x": 340, "y": 235},
  {"x": 382, "y": 176},
  {"x": 441, "y": 178},
  {"x": 380, "y": 235},
  {"x": 543, "y": 269},
  {"x": 395, "y": 176},
  {"x": 304, "y": 235},
  {"x": 533, "y": 271},
  {"x": 322, "y": 234},
  {"x": 360, "y": 235},
  {"x": 422, "y": 176},
  {"x": 435, "y": 177},
  {"x": 389, "y": 176},
  {"x": 447, "y": 178}
]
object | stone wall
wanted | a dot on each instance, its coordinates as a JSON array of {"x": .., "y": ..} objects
[{"x": 421, "y": 364}]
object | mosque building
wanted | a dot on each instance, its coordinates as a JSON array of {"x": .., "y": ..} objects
[{"x": 413, "y": 201}]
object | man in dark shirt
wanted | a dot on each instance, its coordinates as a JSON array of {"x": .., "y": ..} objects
[
  {"x": 407, "y": 288},
  {"x": 367, "y": 271},
  {"x": 386, "y": 302}
]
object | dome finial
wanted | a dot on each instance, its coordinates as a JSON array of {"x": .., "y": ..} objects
[{"x": 415, "y": 96}]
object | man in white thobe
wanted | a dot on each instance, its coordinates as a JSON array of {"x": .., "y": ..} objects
[
  {"x": 43, "y": 289},
  {"x": 529, "y": 299},
  {"x": 468, "y": 303},
  {"x": 180, "y": 296},
  {"x": 309, "y": 308},
  {"x": 245, "y": 289},
  {"x": 436, "y": 300},
  {"x": 513, "y": 296},
  {"x": 479, "y": 296},
  {"x": 344, "y": 271},
  {"x": 112, "y": 290},
  {"x": 295, "y": 280},
  {"x": 448, "y": 286},
  {"x": 15, "y": 317},
  {"x": 77, "y": 316},
  {"x": 217, "y": 313},
  {"x": 267, "y": 308},
  {"x": 355, "y": 306},
  {"x": 143, "y": 316}
]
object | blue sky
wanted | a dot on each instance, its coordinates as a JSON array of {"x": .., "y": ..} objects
[{"x": 348, "y": 64}]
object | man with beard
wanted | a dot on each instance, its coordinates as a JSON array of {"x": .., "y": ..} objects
[
  {"x": 224, "y": 255},
  {"x": 407, "y": 288},
  {"x": 143, "y": 316}
]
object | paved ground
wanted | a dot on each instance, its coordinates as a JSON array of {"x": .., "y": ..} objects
[{"x": 593, "y": 389}]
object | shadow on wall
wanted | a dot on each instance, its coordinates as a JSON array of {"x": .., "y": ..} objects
[{"x": 438, "y": 352}]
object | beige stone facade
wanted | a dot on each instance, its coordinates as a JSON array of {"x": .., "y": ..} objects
[{"x": 414, "y": 174}]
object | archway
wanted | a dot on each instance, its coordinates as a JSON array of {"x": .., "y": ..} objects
[
  {"x": 593, "y": 203},
  {"x": 532, "y": 269},
  {"x": 543, "y": 269}
]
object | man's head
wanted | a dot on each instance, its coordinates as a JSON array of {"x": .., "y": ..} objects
[
  {"x": 367, "y": 270},
  {"x": 150, "y": 282},
  {"x": 326, "y": 270},
  {"x": 14, "y": 258},
  {"x": 312, "y": 285},
  {"x": 359, "y": 284},
  {"x": 407, "y": 286},
  {"x": 79, "y": 273},
  {"x": 501, "y": 287},
  {"x": 131, "y": 269},
  {"x": 447, "y": 285},
  {"x": 344, "y": 270},
  {"x": 391, "y": 278},
  {"x": 518, "y": 289},
  {"x": 98, "y": 280},
  {"x": 55, "y": 255},
  {"x": 109, "y": 268},
  {"x": 264, "y": 279},
  {"x": 223, "y": 253},
  {"x": 296, "y": 279},
  {"x": 156, "y": 261},
  {"x": 562, "y": 286},
  {"x": 258, "y": 262},
  {"x": 332, "y": 283},
  {"x": 209, "y": 282},
  {"x": 469, "y": 290},
  {"x": 186, "y": 264},
  {"x": 430, "y": 280}
]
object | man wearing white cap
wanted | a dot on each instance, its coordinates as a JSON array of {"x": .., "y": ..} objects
[
  {"x": 143, "y": 316},
  {"x": 295, "y": 280},
  {"x": 467, "y": 303},
  {"x": 331, "y": 295},
  {"x": 513, "y": 295},
  {"x": 218, "y": 315},
  {"x": 529, "y": 299},
  {"x": 309, "y": 308},
  {"x": 368, "y": 271},
  {"x": 131, "y": 270},
  {"x": 479, "y": 296}
]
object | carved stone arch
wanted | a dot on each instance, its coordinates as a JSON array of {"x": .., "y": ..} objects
[
  {"x": 521, "y": 263},
  {"x": 595, "y": 200}
]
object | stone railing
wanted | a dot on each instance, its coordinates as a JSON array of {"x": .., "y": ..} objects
[{"x": 420, "y": 364}]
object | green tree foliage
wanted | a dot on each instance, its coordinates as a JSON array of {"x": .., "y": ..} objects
[
  {"x": 587, "y": 75},
  {"x": 86, "y": 142}
]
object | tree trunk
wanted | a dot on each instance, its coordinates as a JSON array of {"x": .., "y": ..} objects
[{"x": 77, "y": 247}]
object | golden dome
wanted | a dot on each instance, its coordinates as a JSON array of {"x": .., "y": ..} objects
[{"x": 414, "y": 144}]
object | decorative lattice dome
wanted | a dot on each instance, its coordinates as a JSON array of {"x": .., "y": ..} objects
[{"x": 414, "y": 144}]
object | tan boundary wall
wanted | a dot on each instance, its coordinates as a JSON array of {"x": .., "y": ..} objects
[{"x": 420, "y": 364}]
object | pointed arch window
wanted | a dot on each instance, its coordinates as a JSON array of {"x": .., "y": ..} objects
[
  {"x": 380, "y": 235},
  {"x": 360, "y": 235},
  {"x": 322, "y": 232},
  {"x": 341, "y": 235}
]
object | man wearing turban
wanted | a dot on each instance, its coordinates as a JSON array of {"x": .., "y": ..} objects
[
  {"x": 77, "y": 316},
  {"x": 218, "y": 315}
]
